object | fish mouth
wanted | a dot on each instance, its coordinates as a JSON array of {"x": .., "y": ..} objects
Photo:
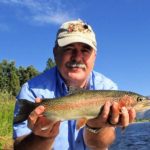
[
  {"x": 143, "y": 106},
  {"x": 147, "y": 97}
]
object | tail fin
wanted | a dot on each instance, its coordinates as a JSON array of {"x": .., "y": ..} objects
[{"x": 25, "y": 108}]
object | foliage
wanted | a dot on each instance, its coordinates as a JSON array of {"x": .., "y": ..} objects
[
  {"x": 49, "y": 64},
  {"x": 7, "y": 102},
  {"x": 26, "y": 73},
  {"x": 9, "y": 80},
  {"x": 142, "y": 120},
  {"x": 12, "y": 78}
]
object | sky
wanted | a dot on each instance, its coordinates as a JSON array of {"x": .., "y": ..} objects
[{"x": 28, "y": 30}]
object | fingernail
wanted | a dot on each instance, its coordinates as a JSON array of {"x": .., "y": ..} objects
[
  {"x": 123, "y": 110},
  {"x": 38, "y": 100},
  {"x": 42, "y": 107},
  {"x": 108, "y": 103},
  {"x": 115, "y": 103},
  {"x": 39, "y": 109}
]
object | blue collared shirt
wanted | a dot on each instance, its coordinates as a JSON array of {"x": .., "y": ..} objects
[{"x": 50, "y": 85}]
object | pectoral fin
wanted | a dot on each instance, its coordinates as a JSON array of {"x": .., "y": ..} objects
[{"x": 80, "y": 123}]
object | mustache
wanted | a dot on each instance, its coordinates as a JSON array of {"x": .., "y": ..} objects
[{"x": 74, "y": 64}]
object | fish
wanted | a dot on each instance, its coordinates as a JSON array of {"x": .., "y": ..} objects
[{"x": 84, "y": 104}]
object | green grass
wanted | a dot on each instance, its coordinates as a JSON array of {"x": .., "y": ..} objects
[
  {"x": 142, "y": 120},
  {"x": 7, "y": 102}
]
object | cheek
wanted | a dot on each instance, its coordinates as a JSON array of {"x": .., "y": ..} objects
[
  {"x": 62, "y": 60},
  {"x": 90, "y": 62}
]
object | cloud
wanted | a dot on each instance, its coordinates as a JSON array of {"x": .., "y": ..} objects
[{"x": 44, "y": 11}]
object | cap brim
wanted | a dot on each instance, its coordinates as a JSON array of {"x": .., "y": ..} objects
[{"x": 74, "y": 39}]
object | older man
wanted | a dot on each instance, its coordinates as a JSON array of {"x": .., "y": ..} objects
[{"x": 75, "y": 53}]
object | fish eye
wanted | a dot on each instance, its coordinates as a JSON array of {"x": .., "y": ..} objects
[{"x": 139, "y": 99}]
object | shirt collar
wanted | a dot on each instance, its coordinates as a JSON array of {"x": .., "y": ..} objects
[{"x": 61, "y": 83}]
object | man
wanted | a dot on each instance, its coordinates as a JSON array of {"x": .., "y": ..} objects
[{"x": 75, "y": 53}]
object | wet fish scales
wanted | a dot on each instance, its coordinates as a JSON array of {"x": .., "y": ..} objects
[{"x": 83, "y": 104}]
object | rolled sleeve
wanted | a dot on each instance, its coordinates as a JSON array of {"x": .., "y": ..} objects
[{"x": 21, "y": 129}]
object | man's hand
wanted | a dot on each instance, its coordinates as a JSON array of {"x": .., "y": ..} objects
[
  {"x": 40, "y": 125},
  {"x": 112, "y": 115},
  {"x": 43, "y": 133}
]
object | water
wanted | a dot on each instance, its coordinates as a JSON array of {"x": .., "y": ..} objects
[{"x": 135, "y": 137}]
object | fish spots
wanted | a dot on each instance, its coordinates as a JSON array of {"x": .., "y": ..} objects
[{"x": 69, "y": 105}]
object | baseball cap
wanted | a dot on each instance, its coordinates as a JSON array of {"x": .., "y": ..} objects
[{"x": 76, "y": 31}]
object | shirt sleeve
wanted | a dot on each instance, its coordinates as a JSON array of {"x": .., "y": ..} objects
[
  {"x": 100, "y": 82},
  {"x": 21, "y": 129}
]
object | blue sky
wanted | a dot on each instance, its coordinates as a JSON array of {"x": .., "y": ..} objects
[{"x": 28, "y": 29}]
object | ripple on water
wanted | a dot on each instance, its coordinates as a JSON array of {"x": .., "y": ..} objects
[{"x": 135, "y": 137}]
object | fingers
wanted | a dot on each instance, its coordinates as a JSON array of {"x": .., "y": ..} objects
[
  {"x": 121, "y": 117},
  {"x": 101, "y": 119},
  {"x": 124, "y": 119},
  {"x": 55, "y": 130},
  {"x": 35, "y": 114},
  {"x": 46, "y": 128},
  {"x": 40, "y": 125},
  {"x": 38, "y": 100},
  {"x": 132, "y": 114},
  {"x": 114, "y": 114},
  {"x": 105, "y": 112}
]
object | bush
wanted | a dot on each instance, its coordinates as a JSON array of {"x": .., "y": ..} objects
[{"x": 7, "y": 102}]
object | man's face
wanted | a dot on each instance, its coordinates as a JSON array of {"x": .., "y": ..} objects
[{"x": 75, "y": 61}]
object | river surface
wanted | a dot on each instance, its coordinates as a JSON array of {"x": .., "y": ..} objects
[{"x": 135, "y": 137}]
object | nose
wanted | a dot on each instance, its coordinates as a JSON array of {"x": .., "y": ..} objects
[{"x": 77, "y": 55}]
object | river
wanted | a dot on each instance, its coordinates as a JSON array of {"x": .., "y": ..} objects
[{"x": 135, "y": 137}]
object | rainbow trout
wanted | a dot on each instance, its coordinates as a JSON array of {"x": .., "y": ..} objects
[{"x": 83, "y": 104}]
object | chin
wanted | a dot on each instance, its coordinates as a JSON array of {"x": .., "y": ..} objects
[{"x": 77, "y": 76}]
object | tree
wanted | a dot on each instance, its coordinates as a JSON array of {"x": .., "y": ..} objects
[
  {"x": 26, "y": 73},
  {"x": 9, "y": 79},
  {"x": 23, "y": 76},
  {"x": 14, "y": 84},
  {"x": 49, "y": 64},
  {"x": 4, "y": 75},
  {"x": 12, "y": 78},
  {"x": 32, "y": 71}
]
